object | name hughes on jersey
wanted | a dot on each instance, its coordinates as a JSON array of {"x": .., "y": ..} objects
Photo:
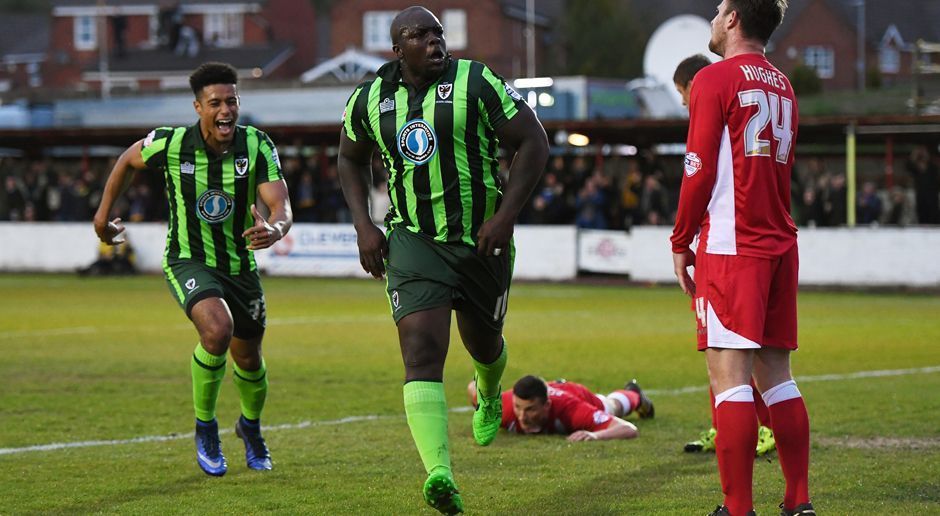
[{"x": 757, "y": 73}]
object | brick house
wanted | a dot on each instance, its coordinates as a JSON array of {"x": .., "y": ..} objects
[
  {"x": 492, "y": 31},
  {"x": 155, "y": 44}
]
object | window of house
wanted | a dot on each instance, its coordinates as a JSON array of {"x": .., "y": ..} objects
[
  {"x": 223, "y": 29},
  {"x": 821, "y": 59},
  {"x": 455, "y": 28},
  {"x": 85, "y": 32},
  {"x": 375, "y": 25},
  {"x": 889, "y": 59}
]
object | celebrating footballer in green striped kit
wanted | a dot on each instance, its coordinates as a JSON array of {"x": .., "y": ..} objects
[
  {"x": 215, "y": 172},
  {"x": 438, "y": 123}
]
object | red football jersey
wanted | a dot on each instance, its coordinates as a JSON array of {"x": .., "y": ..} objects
[
  {"x": 574, "y": 407},
  {"x": 739, "y": 154}
]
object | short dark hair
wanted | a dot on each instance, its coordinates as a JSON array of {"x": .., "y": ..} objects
[
  {"x": 212, "y": 73},
  {"x": 687, "y": 69},
  {"x": 759, "y": 18},
  {"x": 531, "y": 387}
]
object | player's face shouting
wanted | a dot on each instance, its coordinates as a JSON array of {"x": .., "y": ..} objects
[
  {"x": 532, "y": 414},
  {"x": 217, "y": 107}
]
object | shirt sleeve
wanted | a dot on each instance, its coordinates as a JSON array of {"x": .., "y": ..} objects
[
  {"x": 509, "y": 416},
  {"x": 706, "y": 127},
  {"x": 154, "y": 145},
  {"x": 355, "y": 116},
  {"x": 269, "y": 163},
  {"x": 583, "y": 416},
  {"x": 500, "y": 101}
]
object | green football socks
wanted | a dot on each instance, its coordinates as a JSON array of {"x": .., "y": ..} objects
[
  {"x": 208, "y": 371},
  {"x": 426, "y": 410},
  {"x": 488, "y": 376},
  {"x": 253, "y": 389}
]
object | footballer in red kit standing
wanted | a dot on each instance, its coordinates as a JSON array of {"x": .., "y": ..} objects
[{"x": 735, "y": 197}]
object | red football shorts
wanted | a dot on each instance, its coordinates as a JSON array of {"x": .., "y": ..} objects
[{"x": 744, "y": 302}]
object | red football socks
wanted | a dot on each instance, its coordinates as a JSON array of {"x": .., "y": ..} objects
[
  {"x": 791, "y": 430},
  {"x": 737, "y": 438}
]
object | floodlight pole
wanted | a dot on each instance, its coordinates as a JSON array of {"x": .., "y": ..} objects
[
  {"x": 530, "y": 37},
  {"x": 860, "y": 43}
]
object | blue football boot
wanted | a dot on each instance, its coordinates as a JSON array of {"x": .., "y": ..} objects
[
  {"x": 257, "y": 455},
  {"x": 209, "y": 448}
]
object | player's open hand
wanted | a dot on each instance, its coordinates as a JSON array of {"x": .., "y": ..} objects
[
  {"x": 110, "y": 232},
  {"x": 582, "y": 435},
  {"x": 681, "y": 263},
  {"x": 373, "y": 249},
  {"x": 262, "y": 235}
]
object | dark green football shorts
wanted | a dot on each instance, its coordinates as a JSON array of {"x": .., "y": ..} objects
[
  {"x": 191, "y": 282},
  {"x": 424, "y": 274}
]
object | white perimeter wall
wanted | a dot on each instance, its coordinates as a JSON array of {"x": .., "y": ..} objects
[{"x": 859, "y": 256}]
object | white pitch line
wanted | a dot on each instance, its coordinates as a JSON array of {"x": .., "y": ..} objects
[{"x": 374, "y": 417}]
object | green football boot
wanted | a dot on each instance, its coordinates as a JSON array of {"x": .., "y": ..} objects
[
  {"x": 487, "y": 417},
  {"x": 705, "y": 442},
  {"x": 440, "y": 492},
  {"x": 765, "y": 441}
]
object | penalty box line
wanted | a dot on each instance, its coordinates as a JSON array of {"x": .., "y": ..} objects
[{"x": 358, "y": 419}]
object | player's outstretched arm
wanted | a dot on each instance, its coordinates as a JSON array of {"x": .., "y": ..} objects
[
  {"x": 354, "y": 165},
  {"x": 265, "y": 232},
  {"x": 525, "y": 134},
  {"x": 617, "y": 429},
  {"x": 122, "y": 174}
]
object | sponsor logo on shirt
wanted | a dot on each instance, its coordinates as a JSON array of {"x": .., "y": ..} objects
[
  {"x": 386, "y": 105},
  {"x": 693, "y": 164},
  {"x": 241, "y": 166},
  {"x": 187, "y": 168},
  {"x": 417, "y": 142},
  {"x": 214, "y": 206},
  {"x": 277, "y": 159}
]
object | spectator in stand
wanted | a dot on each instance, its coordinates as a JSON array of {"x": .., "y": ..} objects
[
  {"x": 591, "y": 203},
  {"x": 548, "y": 203},
  {"x": 899, "y": 208},
  {"x": 14, "y": 199},
  {"x": 869, "y": 206},
  {"x": 834, "y": 203},
  {"x": 654, "y": 201},
  {"x": 810, "y": 210},
  {"x": 926, "y": 185}
]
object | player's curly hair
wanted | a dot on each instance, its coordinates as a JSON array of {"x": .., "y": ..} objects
[
  {"x": 212, "y": 73},
  {"x": 531, "y": 387},
  {"x": 759, "y": 18}
]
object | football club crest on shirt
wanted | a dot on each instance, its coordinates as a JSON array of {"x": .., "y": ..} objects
[
  {"x": 417, "y": 142},
  {"x": 241, "y": 165},
  {"x": 693, "y": 164},
  {"x": 511, "y": 92},
  {"x": 444, "y": 89},
  {"x": 187, "y": 168},
  {"x": 214, "y": 206},
  {"x": 386, "y": 105}
]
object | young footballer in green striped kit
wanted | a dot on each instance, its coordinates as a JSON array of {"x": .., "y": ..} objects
[
  {"x": 438, "y": 123},
  {"x": 216, "y": 172}
]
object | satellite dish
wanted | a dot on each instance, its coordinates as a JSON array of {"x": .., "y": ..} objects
[{"x": 676, "y": 39}]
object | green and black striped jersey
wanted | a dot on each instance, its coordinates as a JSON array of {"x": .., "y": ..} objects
[
  {"x": 210, "y": 196},
  {"x": 438, "y": 144}
]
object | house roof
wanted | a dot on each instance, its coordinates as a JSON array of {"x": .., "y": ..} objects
[
  {"x": 265, "y": 57},
  {"x": 23, "y": 34},
  {"x": 914, "y": 19}
]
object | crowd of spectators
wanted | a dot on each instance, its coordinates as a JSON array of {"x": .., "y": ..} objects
[{"x": 590, "y": 191}]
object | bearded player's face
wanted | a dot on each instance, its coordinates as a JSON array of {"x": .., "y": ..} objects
[{"x": 719, "y": 33}]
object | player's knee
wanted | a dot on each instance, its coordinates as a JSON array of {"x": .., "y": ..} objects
[{"x": 216, "y": 336}]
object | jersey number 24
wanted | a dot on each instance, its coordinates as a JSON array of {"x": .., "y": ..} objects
[{"x": 776, "y": 110}]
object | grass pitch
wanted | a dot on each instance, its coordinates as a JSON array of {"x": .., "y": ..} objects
[{"x": 108, "y": 360}]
